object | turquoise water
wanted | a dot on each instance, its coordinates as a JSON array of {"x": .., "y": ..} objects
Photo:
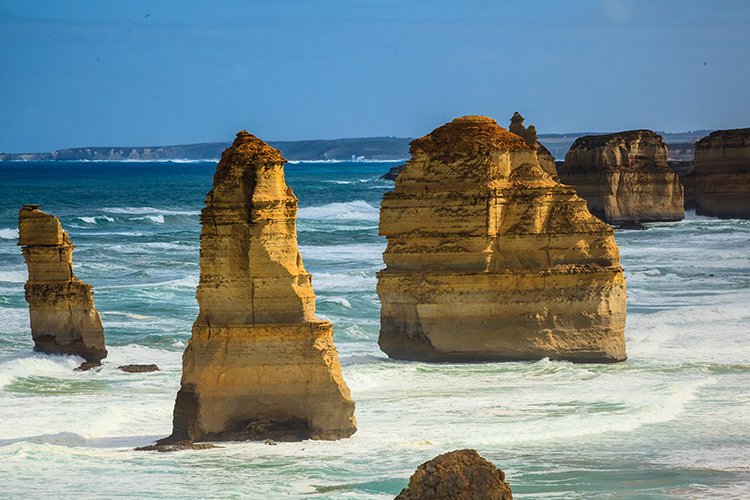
[{"x": 671, "y": 422}]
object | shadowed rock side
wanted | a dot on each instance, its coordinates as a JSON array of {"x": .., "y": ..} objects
[
  {"x": 543, "y": 155},
  {"x": 259, "y": 364},
  {"x": 457, "y": 475},
  {"x": 64, "y": 319},
  {"x": 489, "y": 258},
  {"x": 624, "y": 177},
  {"x": 719, "y": 182}
]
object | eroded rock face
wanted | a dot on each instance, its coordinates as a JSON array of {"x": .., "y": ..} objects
[
  {"x": 719, "y": 182},
  {"x": 64, "y": 319},
  {"x": 624, "y": 177},
  {"x": 259, "y": 364},
  {"x": 459, "y": 475},
  {"x": 489, "y": 258},
  {"x": 543, "y": 155}
]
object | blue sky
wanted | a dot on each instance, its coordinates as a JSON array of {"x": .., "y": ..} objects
[{"x": 173, "y": 72}]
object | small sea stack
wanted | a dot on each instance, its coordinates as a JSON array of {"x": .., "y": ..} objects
[
  {"x": 64, "y": 319},
  {"x": 489, "y": 258},
  {"x": 624, "y": 177},
  {"x": 259, "y": 364},
  {"x": 457, "y": 475},
  {"x": 718, "y": 185},
  {"x": 529, "y": 134}
]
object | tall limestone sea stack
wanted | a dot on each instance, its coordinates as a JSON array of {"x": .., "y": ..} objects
[
  {"x": 259, "y": 364},
  {"x": 64, "y": 319},
  {"x": 719, "y": 182},
  {"x": 624, "y": 177},
  {"x": 489, "y": 258},
  {"x": 543, "y": 155}
]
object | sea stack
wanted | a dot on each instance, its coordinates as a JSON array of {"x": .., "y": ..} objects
[
  {"x": 624, "y": 177},
  {"x": 64, "y": 319},
  {"x": 719, "y": 182},
  {"x": 489, "y": 258},
  {"x": 457, "y": 475},
  {"x": 543, "y": 155},
  {"x": 259, "y": 365}
]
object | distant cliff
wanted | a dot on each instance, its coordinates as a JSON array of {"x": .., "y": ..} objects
[{"x": 370, "y": 148}]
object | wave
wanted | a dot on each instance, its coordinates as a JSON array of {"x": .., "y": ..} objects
[
  {"x": 9, "y": 233},
  {"x": 13, "y": 276},
  {"x": 157, "y": 219},
  {"x": 364, "y": 160},
  {"x": 92, "y": 220},
  {"x": 353, "y": 210},
  {"x": 148, "y": 210}
]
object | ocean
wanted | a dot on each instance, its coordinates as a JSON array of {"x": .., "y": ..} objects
[{"x": 673, "y": 421}]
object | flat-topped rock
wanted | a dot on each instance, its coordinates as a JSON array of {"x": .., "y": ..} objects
[
  {"x": 719, "y": 182},
  {"x": 624, "y": 177},
  {"x": 489, "y": 258},
  {"x": 64, "y": 319},
  {"x": 259, "y": 363}
]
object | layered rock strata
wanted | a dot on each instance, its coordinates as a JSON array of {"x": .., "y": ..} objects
[
  {"x": 544, "y": 156},
  {"x": 489, "y": 258},
  {"x": 259, "y": 363},
  {"x": 64, "y": 319},
  {"x": 624, "y": 177},
  {"x": 457, "y": 475},
  {"x": 719, "y": 182}
]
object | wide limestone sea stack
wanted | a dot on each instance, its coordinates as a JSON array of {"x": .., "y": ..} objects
[
  {"x": 259, "y": 365},
  {"x": 489, "y": 258},
  {"x": 719, "y": 182},
  {"x": 64, "y": 319},
  {"x": 624, "y": 177}
]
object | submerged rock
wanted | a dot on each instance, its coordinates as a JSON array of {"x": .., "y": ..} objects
[
  {"x": 719, "y": 182},
  {"x": 632, "y": 225},
  {"x": 543, "y": 155},
  {"x": 138, "y": 368},
  {"x": 457, "y": 475},
  {"x": 624, "y": 176},
  {"x": 259, "y": 364},
  {"x": 489, "y": 258},
  {"x": 64, "y": 319}
]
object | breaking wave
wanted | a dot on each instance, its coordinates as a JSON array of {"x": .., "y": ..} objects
[{"x": 353, "y": 210}]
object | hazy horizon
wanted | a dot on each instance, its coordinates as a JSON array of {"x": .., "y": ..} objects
[{"x": 137, "y": 74}]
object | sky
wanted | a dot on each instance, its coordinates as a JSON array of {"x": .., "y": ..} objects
[{"x": 139, "y": 73}]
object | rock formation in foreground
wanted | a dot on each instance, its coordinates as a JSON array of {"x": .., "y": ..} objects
[
  {"x": 64, "y": 319},
  {"x": 624, "y": 177},
  {"x": 489, "y": 258},
  {"x": 457, "y": 475},
  {"x": 719, "y": 182},
  {"x": 259, "y": 365},
  {"x": 543, "y": 155}
]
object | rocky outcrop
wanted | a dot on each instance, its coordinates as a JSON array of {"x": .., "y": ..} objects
[
  {"x": 489, "y": 258},
  {"x": 719, "y": 182},
  {"x": 624, "y": 177},
  {"x": 64, "y": 319},
  {"x": 457, "y": 475},
  {"x": 259, "y": 363},
  {"x": 543, "y": 155},
  {"x": 138, "y": 368},
  {"x": 393, "y": 172}
]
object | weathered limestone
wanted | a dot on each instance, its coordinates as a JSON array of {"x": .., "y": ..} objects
[
  {"x": 624, "y": 177},
  {"x": 457, "y": 475},
  {"x": 259, "y": 364},
  {"x": 489, "y": 258},
  {"x": 719, "y": 182},
  {"x": 64, "y": 319},
  {"x": 543, "y": 155}
]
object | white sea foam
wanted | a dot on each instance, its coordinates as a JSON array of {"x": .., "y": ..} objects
[
  {"x": 353, "y": 210},
  {"x": 13, "y": 275},
  {"x": 157, "y": 219},
  {"x": 92, "y": 220},
  {"x": 9, "y": 233},
  {"x": 148, "y": 210}
]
